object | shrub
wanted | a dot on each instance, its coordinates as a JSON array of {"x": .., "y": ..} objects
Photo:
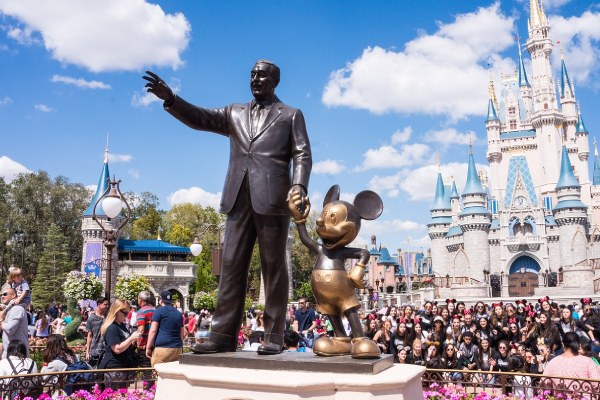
[
  {"x": 129, "y": 286},
  {"x": 80, "y": 286}
]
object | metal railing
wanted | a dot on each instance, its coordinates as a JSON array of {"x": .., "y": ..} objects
[
  {"x": 67, "y": 382},
  {"x": 527, "y": 385}
]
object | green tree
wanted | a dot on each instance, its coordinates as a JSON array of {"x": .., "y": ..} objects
[
  {"x": 303, "y": 260},
  {"x": 146, "y": 227},
  {"x": 54, "y": 265}
]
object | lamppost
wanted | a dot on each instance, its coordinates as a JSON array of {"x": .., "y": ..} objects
[
  {"x": 21, "y": 238},
  {"x": 486, "y": 276},
  {"x": 112, "y": 203},
  {"x": 217, "y": 252}
]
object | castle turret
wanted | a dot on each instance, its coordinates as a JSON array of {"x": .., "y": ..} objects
[
  {"x": 524, "y": 85},
  {"x": 492, "y": 126},
  {"x": 474, "y": 220},
  {"x": 454, "y": 202},
  {"x": 94, "y": 252},
  {"x": 441, "y": 218},
  {"x": 571, "y": 216}
]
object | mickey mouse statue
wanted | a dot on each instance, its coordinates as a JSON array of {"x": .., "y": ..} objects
[{"x": 333, "y": 287}]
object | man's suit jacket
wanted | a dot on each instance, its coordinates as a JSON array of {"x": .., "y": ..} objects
[{"x": 264, "y": 158}]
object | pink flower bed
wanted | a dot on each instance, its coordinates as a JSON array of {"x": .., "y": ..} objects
[
  {"x": 454, "y": 392},
  {"x": 97, "y": 394}
]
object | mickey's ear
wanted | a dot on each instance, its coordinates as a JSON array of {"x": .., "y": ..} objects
[
  {"x": 368, "y": 204},
  {"x": 333, "y": 194}
]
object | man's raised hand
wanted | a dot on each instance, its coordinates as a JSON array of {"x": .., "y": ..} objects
[{"x": 157, "y": 86}]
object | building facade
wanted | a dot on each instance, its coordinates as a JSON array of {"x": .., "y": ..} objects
[{"x": 535, "y": 222}]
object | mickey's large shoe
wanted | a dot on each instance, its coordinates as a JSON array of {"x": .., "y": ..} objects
[
  {"x": 332, "y": 346},
  {"x": 269, "y": 349},
  {"x": 363, "y": 347},
  {"x": 209, "y": 347}
]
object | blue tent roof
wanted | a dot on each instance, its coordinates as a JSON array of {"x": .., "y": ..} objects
[
  {"x": 102, "y": 186},
  {"x": 567, "y": 177},
  {"x": 440, "y": 220},
  {"x": 569, "y": 204},
  {"x": 441, "y": 201},
  {"x": 473, "y": 185},
  {"x": 151, "y": 246},
  {"x": 454, "y": 231},
  {"x": 475, "y": 210}
]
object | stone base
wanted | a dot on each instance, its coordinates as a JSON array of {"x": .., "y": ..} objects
[{"x": 288, "y": 376}]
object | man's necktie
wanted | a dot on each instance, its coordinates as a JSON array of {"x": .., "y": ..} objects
[{"x": 256, "y": 113}]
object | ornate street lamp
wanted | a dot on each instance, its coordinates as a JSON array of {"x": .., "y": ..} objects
[
  {"x": 217, "y": 252},
  {"x": 112, "y": 203}
]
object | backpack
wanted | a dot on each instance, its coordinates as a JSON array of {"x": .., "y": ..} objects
[
  {"x": 27, "y": 385},
  {"x": 80, "y": 380}
]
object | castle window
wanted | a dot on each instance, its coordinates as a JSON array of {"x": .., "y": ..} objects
[
  {"x": 512, "y": 111},
  {"x": 513, "y": 124}
]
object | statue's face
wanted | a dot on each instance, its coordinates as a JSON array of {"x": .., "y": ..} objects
[{"x": 262, "y": 83}]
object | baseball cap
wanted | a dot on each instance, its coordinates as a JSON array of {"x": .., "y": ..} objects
[{"x": 166, "y": 297}]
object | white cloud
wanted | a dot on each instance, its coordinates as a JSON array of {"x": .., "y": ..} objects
[
  {"x": 134, "y": 173},
  {"x": 402, "y": 136},
  {"x": 195, "y": 195},
  {"x": 117, "y": 158},
  {"x": 91, "y": 188},
  {"x": 419, "y": 183},
  {"x": 10, "y": 169},
  {"x": 102, "y": 35},
  {"x": 579, "y": 36},
  {"x": 5, "y": 101},
  {"x": 43, "y": 108},
  {"x": 389, "y": 157},
  {"x": 22, "y": 36},
  {"x": 432, "y": 69},
  {"x": 450, "y": 136},
  {"x": 329, "y": 167},
  {"x": 80, "y": 82},
  {"x": 550, "y": 4}
]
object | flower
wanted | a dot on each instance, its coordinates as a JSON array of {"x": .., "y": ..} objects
[{"x": 130, "y": 285}]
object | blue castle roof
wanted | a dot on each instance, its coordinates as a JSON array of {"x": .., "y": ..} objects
[
  {"x": 473, "y": 185},
  {"x": 580, "y": 125},
  {"x": 567, "y": 177},
  {"x": 151, "y": 246},
  {"x": 454, "y": 231},
  {"x": 565, "y": 82},
  {"x": 441, "y": 201},
  {"x": 491, "y": 114},
  {"x": 523, "y": 81},
  {"x": 386, "y": 257},
  {"x": 454, "y": 194},
  {"x": 596, "y": 176},
  {"x": 102, "y": 186}
]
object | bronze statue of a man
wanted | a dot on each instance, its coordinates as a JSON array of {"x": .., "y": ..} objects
[{"x": 267, "y": 138}]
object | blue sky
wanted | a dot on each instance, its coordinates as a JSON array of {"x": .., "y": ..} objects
[{"x": 387, "y": 88}]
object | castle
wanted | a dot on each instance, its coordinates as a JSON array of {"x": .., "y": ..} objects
[{"x": 534, "y": 223}]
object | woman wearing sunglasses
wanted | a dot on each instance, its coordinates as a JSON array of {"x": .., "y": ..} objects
[{"x": 119, "y": 345}]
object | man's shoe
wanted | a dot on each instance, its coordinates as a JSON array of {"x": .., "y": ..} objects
[
  {"x": 269, "y": 349},
  {"x": 209, "y": 347}
]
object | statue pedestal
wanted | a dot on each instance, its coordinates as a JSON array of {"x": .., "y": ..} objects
[{"x": 287, "y": 376}]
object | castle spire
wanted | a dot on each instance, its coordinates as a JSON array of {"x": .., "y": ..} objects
[
  {"x": 473, "y": 185},
  {"x": 454, "y": 192},
  {"x": 580, "y": 125},
  {"x": 565, "y": 82},
  {"x": 523, "y": 81},
  {"x": 596, "y": 177},
  {"x": 567, "y": 177},
  {"x": 100, "y": 188},
  {"x": 441, "y": 201},
  {"x": 537, "y": 16},
  {"x": 492, "y": 103}
]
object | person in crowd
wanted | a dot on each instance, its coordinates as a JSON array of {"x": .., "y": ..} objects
[
  {"x": 143, "y": 323},
  {"x": 521, "y": 383},
  {"x": 427, "y": 316},
  {"x": 392, "y": 315},
  {"x": 531, "y": 365},
  {"x": 484, "y": 331},
  {"x": 548, "y": 331},
  {"x": 431, "y": 355},
  {"x": 292, "y": 342},
  {"x": 372, "y": 327},
  {"x": 57, "y": 354},
  {"x": 514, "y": 335},
  {"x": 132, "y": 319},
  {"x": 570, "y": 363},
  {"x": 400, "y": 337},
  {"x": 485, "y": 355},
  {"x": 417, "y": 331},
  {"x": 13, "y": 321},
  {"x": 402, "y": 355},
  {"x": 451, "y": 305},
  {"x": 445, "y": 314},
  {"x": 592, "y": 321},
  {"x": 17, "y": 282},
  {"x": 58, "y": 324},
  {"x": 529, "y": 333},
  {"x": 480, "y": 311},
  {"x": 468, "y": 351},
  {"x": 437, "y": 334},
  {"x": 42, "y": 327},
  {"x": 383, "y": 337},
  {"x": 165, "y": 341},
  {"x": 434, "y": 309},
  {"x": 94, "y": 345},
  {"x": 191, "y": 324},
  {"x": 454, "y": 331},
  {"x": 568, "y": 324},
  {"x": 119, "y": 344},
  {"x": 451, "y": 361},
  {"x": 468, "y": 324},
  {"x": 585, "y": 349},
  {"x": 16, "y": 362},
  {"x": 407, "y": 313},
  {"x": 416, "y": 356},
  {"x": 501, "y": 362},
  {"x": 460, "y": 308},
  {"x": 305, "y": 318},
  {"x": 544, "y": 355}
]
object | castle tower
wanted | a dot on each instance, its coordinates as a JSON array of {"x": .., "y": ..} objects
[
  {"x": 454, "y": 203},
  {"x": 94, "y": 252},
  {"x": 525, "y": 87},
  {"x": 545, "y": 116},
  {"x": 474, "y": 220},
  {"x": 441, "y": 218},
  {"x": 571, "y": 216},
  {"x": 492, "y": 126}
]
